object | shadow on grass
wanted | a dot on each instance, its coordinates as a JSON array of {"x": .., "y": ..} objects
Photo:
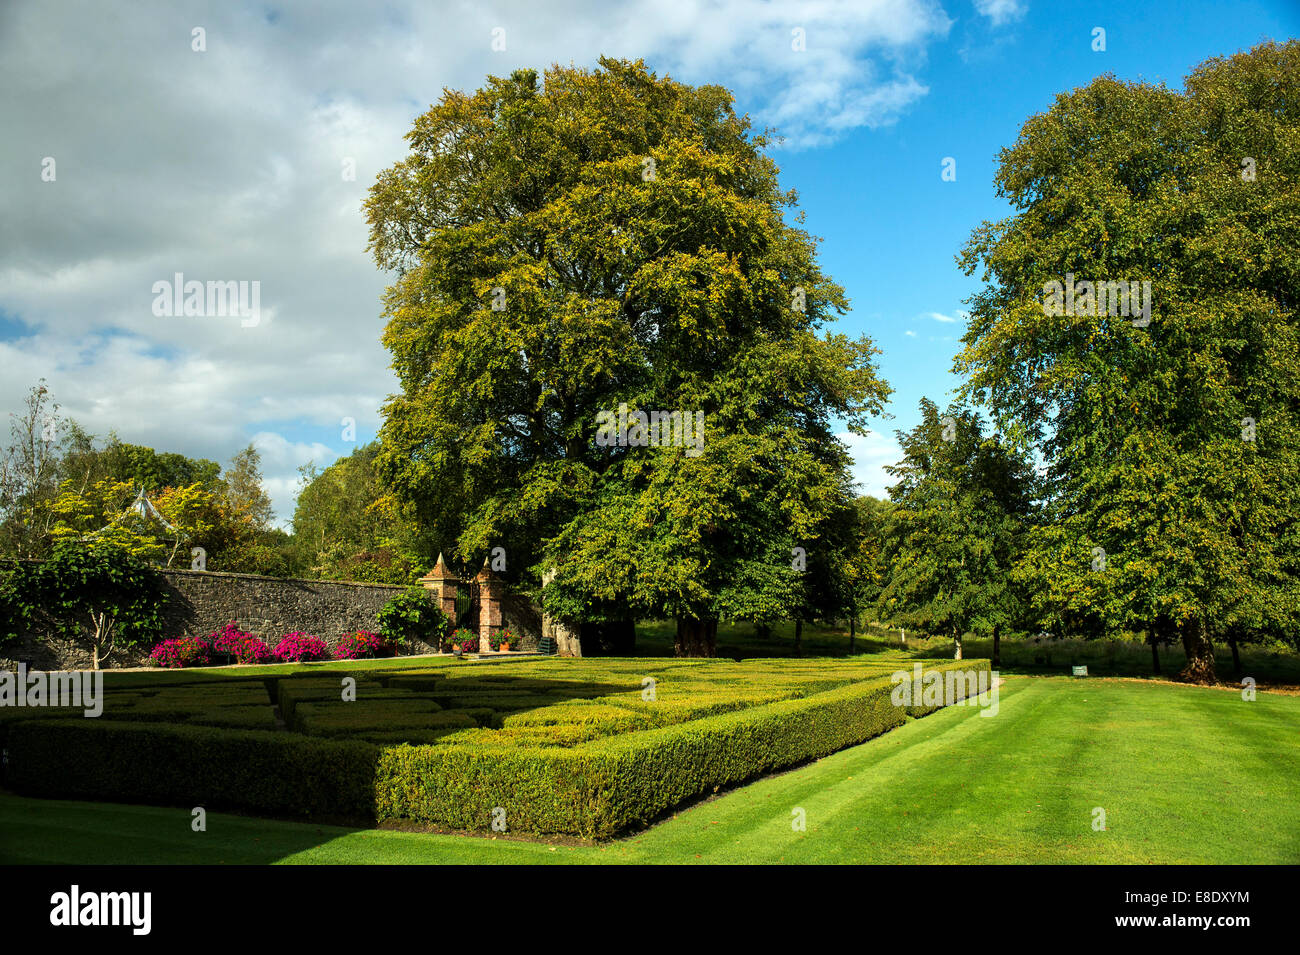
[
  {"x": 742, "y": 641},
  {"x": 1120, "y": 658},
  {"x": 73, "y": 832}
]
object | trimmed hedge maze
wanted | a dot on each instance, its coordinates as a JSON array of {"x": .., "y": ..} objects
[{"x": 579, "y": 747}]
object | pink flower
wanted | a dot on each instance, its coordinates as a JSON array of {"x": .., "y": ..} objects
[
  {"x": 355, "y": 646},
  {"x": 182, "y": 652},
  {"x": 297, "y": 647}
]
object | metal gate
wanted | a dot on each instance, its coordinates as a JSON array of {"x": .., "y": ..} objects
[{"x": 467, "y": 606}]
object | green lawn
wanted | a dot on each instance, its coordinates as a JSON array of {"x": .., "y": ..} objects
[{"x": 1185, "y": 775}]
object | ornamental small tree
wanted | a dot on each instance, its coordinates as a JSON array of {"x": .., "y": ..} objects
[{"x": 98, "y": 594}]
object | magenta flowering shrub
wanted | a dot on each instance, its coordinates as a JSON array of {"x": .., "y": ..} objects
[
  {"x": 298, "y": 647},
  {"x": 359, "y": 645},
  {"x": 240, "y": 644},
  {"x": 228, "y": 638},
  {"x": 182, "y": 652},
  {"x": 253, "y": 650}
]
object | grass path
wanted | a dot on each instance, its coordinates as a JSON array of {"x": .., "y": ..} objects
[{"x": 1184, "y": 775}]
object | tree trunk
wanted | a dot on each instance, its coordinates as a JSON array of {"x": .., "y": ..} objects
[
  {"x": 1236, "y": 656},
  {"x": 696, "y": 638},
  {"x": 997, "y": 646},
  {"x": 956, "y": 641},
  {"x": 1155, "y": 651},
  {"x": 853, "y": 631},
  {"x": 798, "y": 637},
  {"x": 568, "y": 639},
  {"x": 1200, "y": 653},
  {"x": 97, "y": 641},
  {"x": 566, "y": 634}
]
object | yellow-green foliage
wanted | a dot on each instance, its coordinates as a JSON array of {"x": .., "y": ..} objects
[{"x": 350, "y": 719}]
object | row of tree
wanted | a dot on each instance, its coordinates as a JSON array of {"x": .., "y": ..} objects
[
  {"x": 1168, "y": 498},
  {"x": 608, "y": 238},
  {"x": 59, "y": 483}
]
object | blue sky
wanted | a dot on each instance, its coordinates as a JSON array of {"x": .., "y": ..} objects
[
  {"x": 891, "y": 225},
  {"x": 223, "y": 163}
]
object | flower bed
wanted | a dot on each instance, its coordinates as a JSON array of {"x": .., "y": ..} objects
[
  {"x": 241, "y": 646},
  {"x": 360, "y": 645},
  {"x": 182, "y": 652},
  {"x": 299, "y": 647}
]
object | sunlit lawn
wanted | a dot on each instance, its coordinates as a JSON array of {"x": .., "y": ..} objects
[{"x": 1183, "y": 774}]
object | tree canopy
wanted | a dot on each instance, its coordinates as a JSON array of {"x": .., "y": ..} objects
[
  {"x": 347, "y": 525},
  {"x": 1170, "y": 438},
  {"x": 961, "y": 509},
  {"x": 609, "y": 238}
]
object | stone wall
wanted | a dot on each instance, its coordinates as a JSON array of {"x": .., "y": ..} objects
[
  {"x": 199, "y": 602},
  {"x": 522, "y": 616}
]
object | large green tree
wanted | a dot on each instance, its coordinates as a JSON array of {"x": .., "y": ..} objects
[
  {"x": 609, "y": 237},
  {"x": 1169, "y": 430},
  {"x": 961, "y": 509}
]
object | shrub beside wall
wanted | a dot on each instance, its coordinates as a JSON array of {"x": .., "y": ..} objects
[{"x": 197, "y": 603}]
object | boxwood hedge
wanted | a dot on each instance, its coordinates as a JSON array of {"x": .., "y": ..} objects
[
  {"x": 547, "y": 778},
  {"x": 277, "y": 774}
]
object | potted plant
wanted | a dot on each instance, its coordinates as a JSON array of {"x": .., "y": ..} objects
[
  {"x": 464, "y": 641},
  {"x": 506, "y": 639}
]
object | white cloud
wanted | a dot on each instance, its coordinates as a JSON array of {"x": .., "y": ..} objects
[
  {"x": 870, "y": 456},
  {"x": 226, "y": 165},
  {"x": 958, "y": 316},
  {"x": 1000, "y": 11},
  {"x": 280, "y": 458}
]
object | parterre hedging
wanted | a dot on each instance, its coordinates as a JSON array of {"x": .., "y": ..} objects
[{"x": 580, "y": 747}]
